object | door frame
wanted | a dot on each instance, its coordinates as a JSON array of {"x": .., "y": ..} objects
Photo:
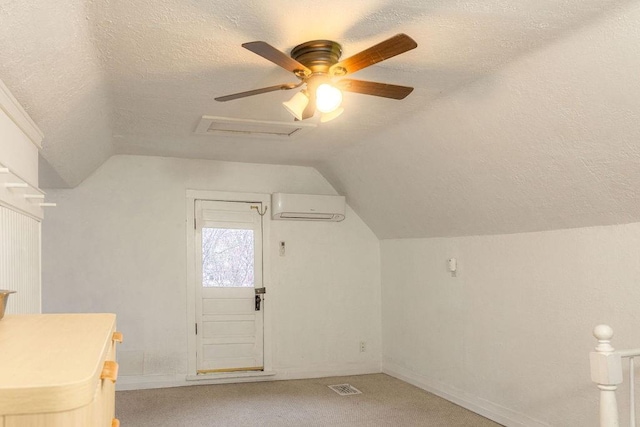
[{"x": 224, "y": 196}]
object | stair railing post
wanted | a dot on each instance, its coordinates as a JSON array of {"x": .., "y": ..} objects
[{"x": 606, "y": 372}]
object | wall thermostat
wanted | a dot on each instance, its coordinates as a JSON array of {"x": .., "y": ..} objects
[{"x": 452, "y": 263}]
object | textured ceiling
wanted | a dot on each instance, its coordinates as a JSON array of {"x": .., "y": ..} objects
[{"x": 523, "y": 116}]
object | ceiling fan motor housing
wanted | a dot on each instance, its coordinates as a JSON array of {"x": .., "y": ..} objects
[{"x": 317, "y": 55}]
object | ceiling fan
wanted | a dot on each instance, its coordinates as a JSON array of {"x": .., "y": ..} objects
[{"x": 317, "y": 63}]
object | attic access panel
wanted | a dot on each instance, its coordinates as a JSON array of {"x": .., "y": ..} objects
[{"x": 212, "y": 125}]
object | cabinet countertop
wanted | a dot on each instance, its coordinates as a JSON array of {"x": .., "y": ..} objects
[{"x": 51, "y": 362}]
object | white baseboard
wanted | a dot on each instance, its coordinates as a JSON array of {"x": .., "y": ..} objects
[
  {"x": 141, "y": 382},
  {"x": 329, "y": 371},
  {"x": 490, "y": 410}
]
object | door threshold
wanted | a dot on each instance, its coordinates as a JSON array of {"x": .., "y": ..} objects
[{"x": 230, "y": 375}]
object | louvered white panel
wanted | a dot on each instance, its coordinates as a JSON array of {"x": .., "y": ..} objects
[{"x": 20, "y": 261}]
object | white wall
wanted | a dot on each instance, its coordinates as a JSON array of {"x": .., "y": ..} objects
[
  {"x": 117, "y": 243},
  {"x": 510, "y": 335}
]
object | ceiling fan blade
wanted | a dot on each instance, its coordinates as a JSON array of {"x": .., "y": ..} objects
[
  {"x": 373, "y": 88},
  {"x": 285, "y": 86},
  {"x": 389, "y": 48},
  {"x": 277, "y": 57}
]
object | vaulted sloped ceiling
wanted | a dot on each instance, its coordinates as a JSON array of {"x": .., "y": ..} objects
[
  {"x": 49, "y": 61},
  {"x": 524, "y": 116},
  {"x": 550, "y": 141}
]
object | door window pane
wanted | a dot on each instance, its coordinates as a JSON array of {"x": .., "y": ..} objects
[{"x": 227, "y": 257}]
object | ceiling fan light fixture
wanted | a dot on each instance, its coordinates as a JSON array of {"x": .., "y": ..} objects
[
  {"x": 327, "y": 117},
  {"x": 328, "y": 98},
  {"x": 297, "y": 104},
  {"x": 315, "y": 63}
]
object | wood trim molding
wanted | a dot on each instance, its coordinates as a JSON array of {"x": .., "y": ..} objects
[
  {"x": 219, "y": 371},
  {"x": 14, "y": 110}
]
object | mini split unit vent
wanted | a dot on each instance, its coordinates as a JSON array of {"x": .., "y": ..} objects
[
  {"x": 210, "y": 125},
  {"x": 307, "y": 207}
]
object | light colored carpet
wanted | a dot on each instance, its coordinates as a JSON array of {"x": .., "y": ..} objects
[{"x": 385, "y": 401}]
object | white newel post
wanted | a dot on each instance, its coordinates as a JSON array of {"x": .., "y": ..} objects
[{"x": 606, "y": 371}]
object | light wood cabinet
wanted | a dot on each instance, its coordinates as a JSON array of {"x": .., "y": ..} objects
[{"x": 58, "y": 370}]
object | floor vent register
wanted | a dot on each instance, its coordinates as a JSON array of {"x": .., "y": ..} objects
[{"x": 345, "y": 389}]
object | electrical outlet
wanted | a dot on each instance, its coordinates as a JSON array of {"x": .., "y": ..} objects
[{"x": 363, "y": 346}]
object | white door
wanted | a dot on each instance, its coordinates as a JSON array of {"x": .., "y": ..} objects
[{"x": 229, "y": 307}]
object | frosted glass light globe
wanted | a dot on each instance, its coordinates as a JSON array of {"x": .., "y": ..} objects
[{"x": 328, "y": 98}]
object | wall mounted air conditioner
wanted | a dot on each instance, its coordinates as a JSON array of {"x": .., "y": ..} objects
[{"x": 307, "y": 207}]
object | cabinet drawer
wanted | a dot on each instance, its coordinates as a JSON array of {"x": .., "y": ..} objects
[{"x": 77, "y": 417}]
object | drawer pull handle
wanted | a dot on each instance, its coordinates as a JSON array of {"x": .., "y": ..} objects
[
  {"x": 117, "y": 337},
  {"x": 110, "y": 371},
  {"x": 115, "y": 423}
]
